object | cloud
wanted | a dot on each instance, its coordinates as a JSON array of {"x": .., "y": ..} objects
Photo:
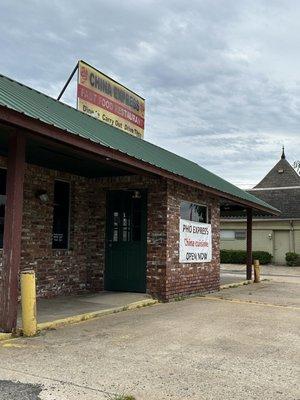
[{"x": 220, "y": 78}]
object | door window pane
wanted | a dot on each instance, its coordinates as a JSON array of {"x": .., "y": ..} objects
[
  {"x": 126, "y": 227},
  {"x": 2, "y": 203},
  {"x": 136, "y": 220},
  {"x": 125, "y": 217},
  {"x": 115, "y": 237},
  {"x": 60, "y": 238}
]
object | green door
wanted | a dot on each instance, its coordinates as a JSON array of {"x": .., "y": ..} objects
[{"x": 126, "y": 241}]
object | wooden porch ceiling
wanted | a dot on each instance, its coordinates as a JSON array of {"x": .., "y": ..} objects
[{"x": 53, "y": 155}]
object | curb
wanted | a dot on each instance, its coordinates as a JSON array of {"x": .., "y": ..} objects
[
  {"x": 94, "y": 314},
  {"x": 6, "y": 336},
  {"x": 81, "y": 317},
  {"x": 237, "y": 284}
]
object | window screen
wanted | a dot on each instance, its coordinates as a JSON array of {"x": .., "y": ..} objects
[
  {"x": 60, "y": 238},
  {"x": 193, "y": 212},
  {"x": 2, "y": 203},
  {"x": 240, "y": 235}
]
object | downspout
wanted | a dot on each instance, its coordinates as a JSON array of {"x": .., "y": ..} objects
[{"x": 292, "y": 237}]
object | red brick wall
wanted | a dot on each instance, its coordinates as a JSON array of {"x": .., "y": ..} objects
[
  {"x": 189, "y": 278},
  {"x": 81, "y": 267},
  {"x": 59, "y": 271}
]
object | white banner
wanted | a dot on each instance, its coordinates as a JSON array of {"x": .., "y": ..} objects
[{"x": 194, "y": 242}]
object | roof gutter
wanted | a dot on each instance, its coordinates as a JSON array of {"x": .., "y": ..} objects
[{"x": 43, "y": 129}]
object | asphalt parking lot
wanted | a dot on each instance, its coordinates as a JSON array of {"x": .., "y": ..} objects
[
  {"x": 240, "y": 343},
  {"x": 233, "y": 273}
]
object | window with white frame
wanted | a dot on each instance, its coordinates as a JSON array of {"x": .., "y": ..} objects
[
  {"x": 230, "y": 234},
  {"x": 227, "y": 234}
]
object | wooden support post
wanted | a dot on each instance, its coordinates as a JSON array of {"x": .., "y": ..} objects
[
  {"x": 12, "y": 233},
  {"x": 249, "y": 244}
]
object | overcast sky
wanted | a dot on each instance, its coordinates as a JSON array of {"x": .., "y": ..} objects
[{"x": 221, "y": 79}]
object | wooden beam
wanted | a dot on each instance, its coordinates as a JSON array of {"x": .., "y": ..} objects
[
  {"x": 12, "y": 232},
  {"x": 249, "y": 244}
]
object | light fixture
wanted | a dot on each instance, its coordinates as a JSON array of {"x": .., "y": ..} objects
[
  {"x": 42, "y": 195},
  {"x": 136, "y": 194}
]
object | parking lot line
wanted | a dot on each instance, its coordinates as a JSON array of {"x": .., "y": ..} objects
[{"x": 255, "y": 303}]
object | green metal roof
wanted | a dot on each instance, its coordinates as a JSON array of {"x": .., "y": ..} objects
[{"x": 32, "y": 103}]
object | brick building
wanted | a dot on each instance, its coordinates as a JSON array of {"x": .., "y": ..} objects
[{"x": 91, "y": 208}]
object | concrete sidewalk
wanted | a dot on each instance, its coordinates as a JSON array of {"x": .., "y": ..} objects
[{"x": 58, "y": 308}]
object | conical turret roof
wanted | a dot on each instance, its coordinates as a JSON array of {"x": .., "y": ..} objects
[
  {"x": 281, "y": 188},
  {"x": 281, "y": 175}
]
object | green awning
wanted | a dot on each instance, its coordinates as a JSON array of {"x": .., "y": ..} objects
[{"x": 34, "y": 104}]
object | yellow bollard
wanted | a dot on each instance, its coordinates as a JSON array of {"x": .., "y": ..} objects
[
  {"x": 28, "y": 300},
  {"x": 256, "y": 271}
]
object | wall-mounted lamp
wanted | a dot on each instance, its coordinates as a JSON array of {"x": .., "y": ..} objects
[
  {"x": 136, "y": 194},
  {"x": 42, "y": 195},
  {"x": 270, "y": 236}
]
